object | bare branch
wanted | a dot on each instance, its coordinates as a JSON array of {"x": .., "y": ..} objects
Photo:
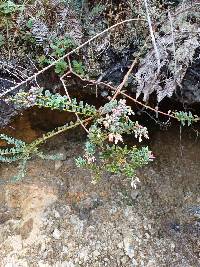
[
  {"x": 173, "y": 43},
  {"x": 152, "y": 36},
  {"x": 119, "y": 88},
  {"x": 65, "y": 56}
]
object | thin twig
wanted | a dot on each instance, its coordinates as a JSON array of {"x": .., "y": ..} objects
[
  {"x": 53, "y": 133},
  {"x": 119, "y": 88},
  {"x": 67, "y": 93},
  {"x": 146, "y": 106},
  {"x": 114, "y": 89},
  {"x": 152, "y": 35},
  {"x": 65, "y": 56},
  {"x": 173, "y": 42}
]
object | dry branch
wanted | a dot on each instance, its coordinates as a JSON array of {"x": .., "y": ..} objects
[{"x": 65, "y": 56}]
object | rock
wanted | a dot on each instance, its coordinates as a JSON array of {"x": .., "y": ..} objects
[
  {"x": 96, "y": 253},
  {"x": 134, "y": 262},
  {"x": 77, "y": 223},
  {"x": 85, "y": 206},
  {"x": 83, "y": 254},
  {"x": 56, "y": 234},
  {"x": 58, "y": 164},
  {"x": 4, "y": 217},
  {"x": 56, "y": 214},
  {"x": 41, "y": 264},
  {"x": 120, "y": 245},
  {"x": 147, "y": 235},
  {"x": 15, "y": 242},
  {"x": 134, "y": 194},
  {"x": 124, "y": 260},
  {"x": 66, "y": 264},
  {"x": 15, "y": 262},
  {"x": 172, "y": 246},
  {"x": 26, "y": 228},
  {"x": 128, "y": 247},
  {"x": 65, "y": 249}
]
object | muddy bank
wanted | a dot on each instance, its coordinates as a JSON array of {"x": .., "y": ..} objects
[{"x": 56, "y": 217}]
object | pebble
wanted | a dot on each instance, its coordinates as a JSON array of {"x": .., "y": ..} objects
[
  {"x": 96, "y": 253},
  {"x": 147, "y": 235},
  {"x": 56, "y": 214},
  {"x": 134, "y": 262},
  {"x": 56, "y": 234},
  {"x": 58, "y": 164},
  {"x": 135, "y": 194},
  {"x": 120, "y": 245},
  {"x": 124, "y": 260},
  {"x": 128, "y": 247},
  {"x": 172, "y": 246},
  {"x": 65, "y": 249}
]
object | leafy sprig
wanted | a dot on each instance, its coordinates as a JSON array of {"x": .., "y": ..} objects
[
  {"x": 185, "y": 117},
  {"x": 47, "y": 99},
  {"x": 21, "y": 152},
  {"x": 108, "y": 125}
]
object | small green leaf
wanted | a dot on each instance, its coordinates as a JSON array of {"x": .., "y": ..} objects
[
  {"x": 8, "y": 7},
  {"x": 61, "y": 67},
  {"x": 78, "y": 67},
  {"x": 29, "y": 23}
]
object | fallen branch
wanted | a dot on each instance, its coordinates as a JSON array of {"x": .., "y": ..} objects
[{"x": 65, "y": 56}]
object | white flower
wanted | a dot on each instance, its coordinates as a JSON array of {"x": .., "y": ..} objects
[
  {"x": 91, "y": 159},
  {"x": 118, "y": 138},
  {"x": 140, "y": 132},
  {"x": 115, "y": 137},
  {"x": 110, "y": 137},
  {"x": 106, "y": 124}
]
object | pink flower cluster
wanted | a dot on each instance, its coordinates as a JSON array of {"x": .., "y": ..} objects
[
  {"x": 113, "y": 120},
  {"x": 140, "y": 131},
  {"x": 115, "y": 137}
]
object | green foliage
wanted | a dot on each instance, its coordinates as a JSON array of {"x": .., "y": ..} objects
[
  {"x": 97, "y": 10},
  {"x": 113, "y": 159},
  {"x": 102, "y": 155},
  {"x": 78, "y": 67},
  {"x": 17, "y": 152},
  {"x": 108, "y": 124},
  {"x": 59, "y": 48},
  {"x": 11, "y": 154},
  {"x": 104, "y": 150},
  {"x": 60, "y": 67},
  {"x": 76, "y": 4},
  {"x": 43, "y": 60},
  {"x": 21, "y": 152},
  {"x": 29, "y": 23},
  {"x": 185, "y": 117},
  {"x": 22, "y": 171},
  {"x": 8, "y": 7},
  {"x": 52, "y": 101}
]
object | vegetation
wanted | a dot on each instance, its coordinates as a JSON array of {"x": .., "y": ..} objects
[{"x": 156, "y": 42}]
